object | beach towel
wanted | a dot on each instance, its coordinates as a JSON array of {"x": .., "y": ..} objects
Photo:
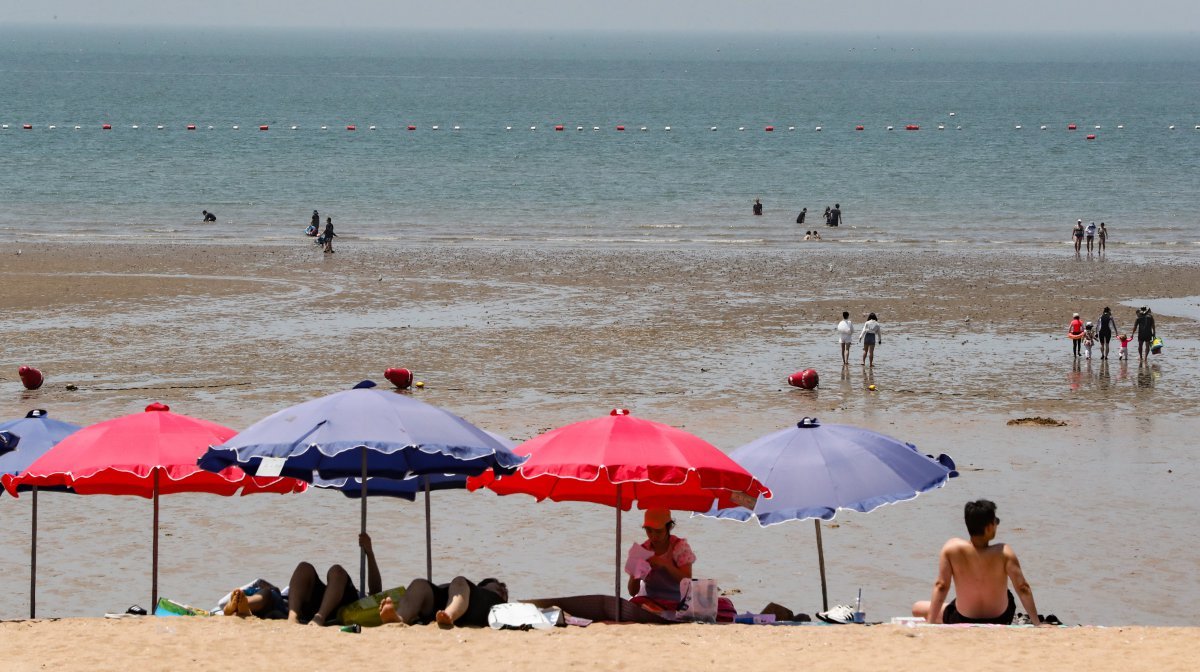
[{"x": 600, "y": 608}]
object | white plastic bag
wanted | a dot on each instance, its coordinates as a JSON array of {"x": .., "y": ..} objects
[
  {"x": 523, "y": 616},
  {"x": 698, "y": 600}
]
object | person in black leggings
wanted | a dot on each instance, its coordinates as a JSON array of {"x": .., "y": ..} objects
[{"x": 1108, "y": 327}]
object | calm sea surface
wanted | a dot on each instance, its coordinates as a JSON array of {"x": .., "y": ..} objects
[{"x": 979, "y": 179}]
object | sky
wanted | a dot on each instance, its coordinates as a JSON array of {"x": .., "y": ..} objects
[{"x": 779, "y": 16}]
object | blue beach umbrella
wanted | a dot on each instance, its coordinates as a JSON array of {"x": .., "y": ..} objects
[
  {"x": 813, "y": 470},
  {"x": 362, "y": 435},
  {"x": 8, "y": 442},
  {"x": 406, "y": 489},
  {"x": 34, "y": 435}
]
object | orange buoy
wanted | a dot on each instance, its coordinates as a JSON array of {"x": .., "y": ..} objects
[
  {"x": 412, "y": 128},
  {"x": 769, "y": 129},
  {"x": 806, "y": 379},
  {"x": 351, "y": 127},
  {"x": 31, "y": 378},
  {"x": 191, "y": 127},
  {"x": 620, "y": 128},
  {"x": 1071, "y": 127},
  {"x": 401, "y": 378},
  {"x": 264, "y": 127},
  {"x": 912, "y": 127},
  {"x": 858, "y": 128},
  {"x": 559, "y": 127},
  {"x": 1091, "y": 136}
]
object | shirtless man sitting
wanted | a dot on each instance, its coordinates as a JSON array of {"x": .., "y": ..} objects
[{"x": 980, "y": 572}]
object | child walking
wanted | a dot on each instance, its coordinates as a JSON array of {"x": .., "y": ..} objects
[
  {"x": 1124, "y": 353},
  {"x": 1089, "y": 339}
]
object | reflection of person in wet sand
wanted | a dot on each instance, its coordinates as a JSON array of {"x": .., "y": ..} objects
[
  {"x": 980, "y": 572},
  {"x": 459, "y": 602}
]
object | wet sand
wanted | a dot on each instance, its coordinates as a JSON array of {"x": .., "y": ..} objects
[{"x": 519, "y": 341}]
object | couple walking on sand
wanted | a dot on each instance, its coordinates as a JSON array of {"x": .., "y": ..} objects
[{"x": 870, "y": 336}]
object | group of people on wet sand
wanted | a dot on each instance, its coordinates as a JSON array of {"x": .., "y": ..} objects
[
  {"x": 1086, "y": 335},
  {"x": 1095, "y": 236},
  {"x": 978, "y": 569}
]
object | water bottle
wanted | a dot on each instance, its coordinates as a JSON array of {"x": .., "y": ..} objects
[{"x": 860, "y": 613}]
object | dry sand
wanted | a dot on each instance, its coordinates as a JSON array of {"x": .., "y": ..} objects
[
  {"x": 521, "y": 340},
  {"x": 220, "y": 643}
]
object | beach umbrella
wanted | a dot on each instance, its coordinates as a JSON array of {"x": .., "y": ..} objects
[
  {"x": 8, "y": 442},
  {"x": 33, "y": 434},
  {"x": 145, "y": 455},
  {"x": 363, "y": 433},
  {"x": 619, "y": 461},
  {"x": 406, "y": 489},
  {"x": 815, "y": 469}
]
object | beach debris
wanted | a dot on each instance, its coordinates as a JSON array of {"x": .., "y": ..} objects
[
  {"x": 401, "y": 378},
  {"x": 71, "y": 387},
  {"x": 806, "y": 379},
  {"x": 31, "y": 378},
  {"x": 1039, "y": 421}
]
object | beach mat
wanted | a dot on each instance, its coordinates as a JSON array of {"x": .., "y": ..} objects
[{"x": 600, "y": 608}]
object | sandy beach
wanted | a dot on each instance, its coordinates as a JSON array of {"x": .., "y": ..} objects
[
  {"x": 519, "y": 341},
  {"x": 215, "y": 643}
]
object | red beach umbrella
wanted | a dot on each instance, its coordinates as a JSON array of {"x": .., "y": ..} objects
[
  {"x": 619, "y": 460},
  {"x": 145, "y": 455}
]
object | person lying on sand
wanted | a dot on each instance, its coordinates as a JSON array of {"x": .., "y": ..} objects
[
  {"x": 980, "y": 572},
  {"x": 316, "y": 603},
  {"x": 458, "y": 603},
  {"x": 260, "y": 599}
]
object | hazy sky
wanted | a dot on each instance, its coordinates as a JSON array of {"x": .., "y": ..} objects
[{"x": 799, "y": 16}]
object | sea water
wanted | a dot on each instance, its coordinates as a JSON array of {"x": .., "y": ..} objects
[{"x": 969, "y": 175}]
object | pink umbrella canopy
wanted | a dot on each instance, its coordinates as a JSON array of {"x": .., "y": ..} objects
[
  {"x": 619, "y": 461},
  {"x": 123, "y": 456},
  {"x": 620, "y": 458},
  {"x": 146, "y": 455}
]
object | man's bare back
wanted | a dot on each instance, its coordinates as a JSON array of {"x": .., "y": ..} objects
[{"x": 979, "y": 571}]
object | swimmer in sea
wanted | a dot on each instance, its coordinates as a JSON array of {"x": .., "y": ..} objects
[{"x": 208, "y": 216}]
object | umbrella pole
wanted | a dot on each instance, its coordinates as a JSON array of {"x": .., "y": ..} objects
[
  {"x": 33, "y": 560},
  {"x": 821, "y": 561},
  {"x": 617, "y": 573},
  {"x": 154, "y": 564},
  {"x": 428, "y": 537},
  {"x": 362, "y": 529}
]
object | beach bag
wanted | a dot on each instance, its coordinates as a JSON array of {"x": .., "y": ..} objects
[
  {"x": 524, "y": 616},
  {"x": 365, "y": 611},
  {"x": 1156, "y": 346},
  {"x": 697, "y": 601},
  {"x": 167, "y": 607}
]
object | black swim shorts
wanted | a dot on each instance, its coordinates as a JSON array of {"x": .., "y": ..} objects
[{"x": 951, "y": 615}]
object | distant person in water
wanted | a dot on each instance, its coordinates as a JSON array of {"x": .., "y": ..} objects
[
  {"x": 757, "y": 207},
  {"x": 835, "y": 215},
  {"x": 328, "y": 235},
  {"x": 208, "y": 216},
  {"x": 800, "y": 217},
  {"x": 314, "y": 226},
  {"x": 1101, "y": 238},
  {"x": 1077, "y": 233},
  {"x": 1090, "y": 234},
  {"x": 808, "y": 235},
  {"x": 828, "y": 214}
]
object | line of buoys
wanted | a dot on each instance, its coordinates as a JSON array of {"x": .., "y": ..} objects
[
  {"x": 620, "y": 128},
  {"x": 769, "y": 129},
  {"x": 191, "y": 127},
  {"x": 28, "y": 127},
  {"x": 351, "y": 127},
  {"x": 859, "y": 127},
  {"x": 559, "y": 127}
]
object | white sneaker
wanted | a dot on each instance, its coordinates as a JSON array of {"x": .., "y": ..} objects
[{"x": 841, "y": 613}]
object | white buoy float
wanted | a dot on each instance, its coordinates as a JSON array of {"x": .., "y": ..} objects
[
  {"x": 1043, "y": 127},
  {"x": 791, "y": 128},
  {"x": 134, "y": 127},
  {"x": 295, "y": 127},
  {"x": 643, "y": 128},
  {"x": 952, "y": 114},
  {"x": 4, "y": 126},
  {"x": 666, "y": 128},
  {"x": 370, "y": 128},
  {"x": 942, "y": 127},
  {"x": 159, "y": 127},
  {"x": 595, "y": 128},
  {"x": 713, "y": 128},
  {"x": 436, "y": 127},
  {"x": 958, "y": 128},
  {"x": 1017, "y": 127},
  {"x": 324, "y": 128},
  {"x": 1171, "y": 127},
  {"x": 579, "y": 128},
  {"x": 457, "y": 128},
  {"x": 1120, "y": 126},
  {"x": 77, "y": 128},
  {"x": 533, "y": 128},
  {"x": 817, "y": 128},
  {"x": 508, "y": 128},
  {"x": 741, "y": 128},
  {"x": 891, "y": 128},
  {"x": 1097, "y": 127}
]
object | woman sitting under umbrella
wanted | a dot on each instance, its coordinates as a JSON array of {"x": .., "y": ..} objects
[{"x": 659, "y": 574}]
